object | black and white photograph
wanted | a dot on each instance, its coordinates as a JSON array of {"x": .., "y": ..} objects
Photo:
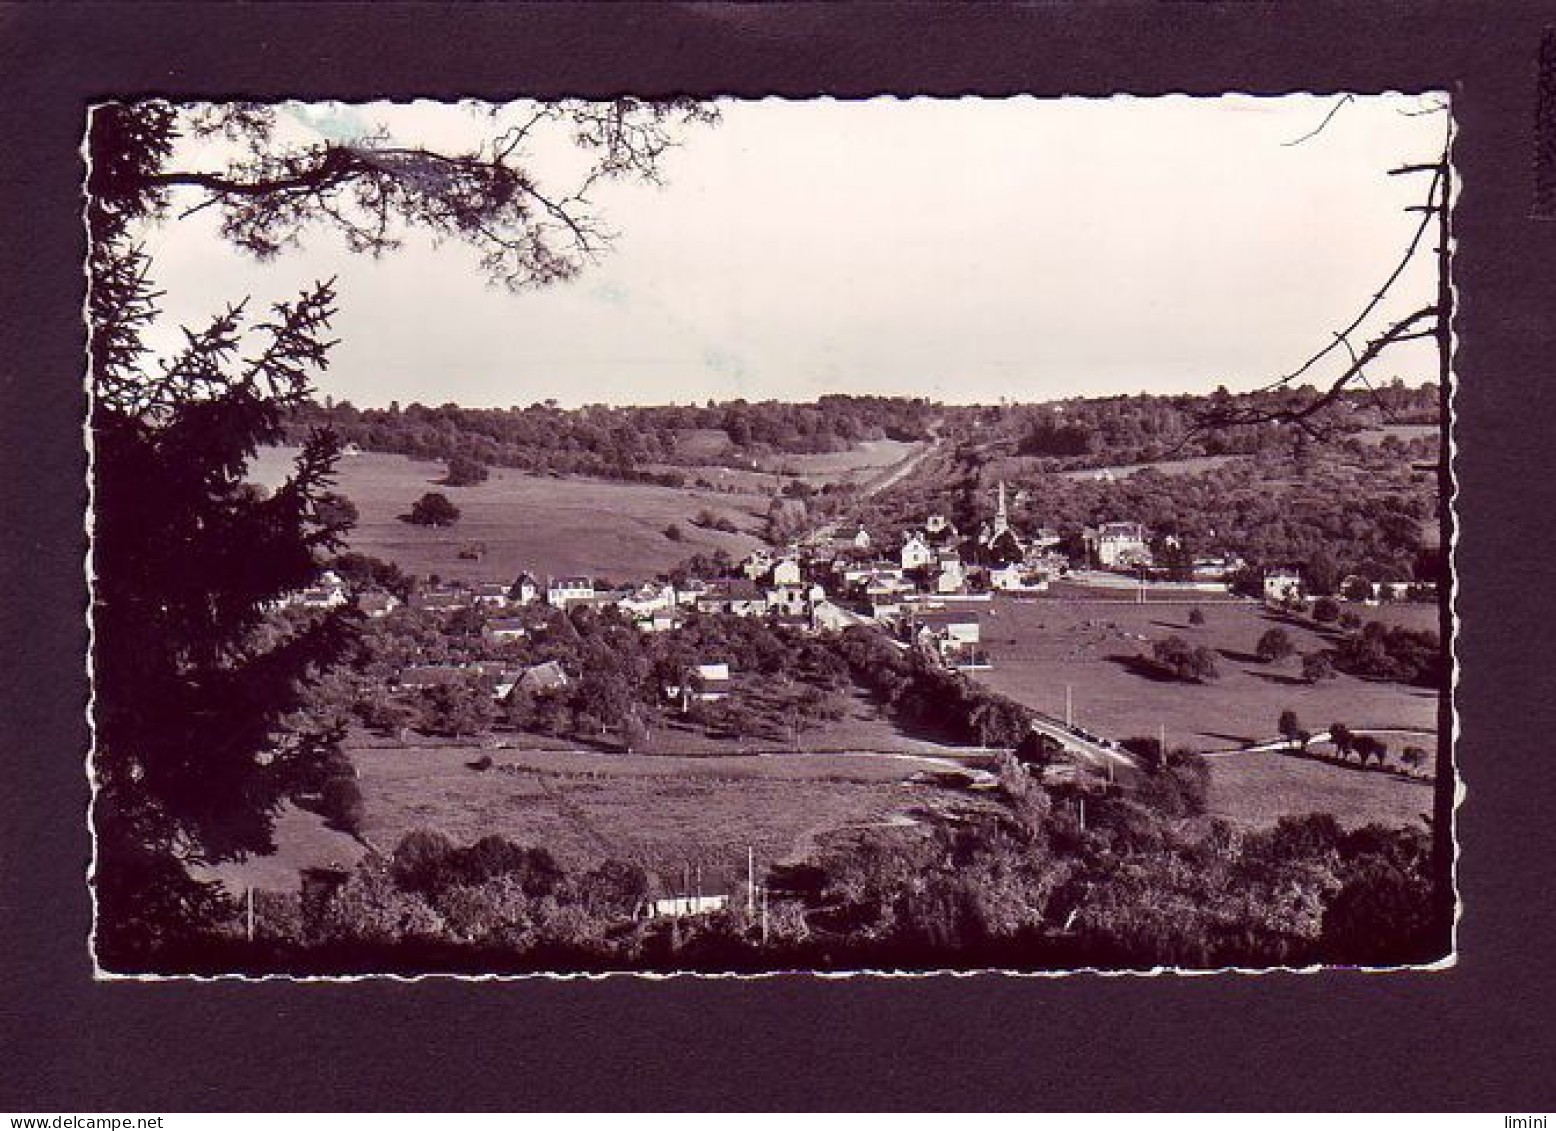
[{"x": 744, "y": 536}]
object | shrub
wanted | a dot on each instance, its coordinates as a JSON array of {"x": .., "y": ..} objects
[
  {"x": 1196, "y": 616},
  {"x": 1185, "y": 661},
  {"x": 1317, "y": 666},
  {"x": 424, "y": 860},
  {"x": 433, "y": 509},
  {"x": 463, "y": 471},
  {"x": 1274, "y": 645},
  {"x": 1326, "y": 610},
  {"x": 341, "y": 802}
]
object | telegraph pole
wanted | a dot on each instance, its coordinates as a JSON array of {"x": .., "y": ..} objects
[
  {"x": 750, "y": 881},
  {"x": 1069, "y": 707}
]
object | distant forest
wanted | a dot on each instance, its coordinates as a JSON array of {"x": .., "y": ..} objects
[
  {"x": 633, "y": 442},
  {"x": 652, "y": 442}
]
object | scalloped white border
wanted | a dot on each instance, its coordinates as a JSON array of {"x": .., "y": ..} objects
[{"x": 100, "y": 974}]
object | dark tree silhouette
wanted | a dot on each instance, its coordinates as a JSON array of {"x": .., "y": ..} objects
[
  {"x": 193, "y": 687},
  {"x": 1182, "y": 660},
  {"x": 1274, "y": 645},
  {"x": 464, "y": 471},
  {"x": 433, "y": 509}
]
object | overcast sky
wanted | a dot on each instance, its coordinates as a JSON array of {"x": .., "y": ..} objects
[{"x": 964, "y": 250}]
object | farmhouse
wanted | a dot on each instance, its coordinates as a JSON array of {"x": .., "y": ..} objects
[
  {"x": 490, "y": 595},
  {"x": 1018, "y": 578},
  {"x": 691, "y": 591},
  {"x": 1282, "y": 583},
  {"x": 706, "y": 683},
  {"x": 564, "y": 591},
  {"x": 789, "y": 600},
  {"x": 951, "y": 578},
  {"x": 698, "y": 890},
  {"x": 736, "y": 595},
  {"x": 503, "y": 629},
  {"x": 1118, "y": 545},
  {"x": 677, "y": 906},
  {"x": 824, "y": 616},
  {"x": 549, "y": 676},
  {"x": 953, "y": 636},
  {"x": 1214, "y": 568},
  {"x": 916, "y": 552},
  {"x": 785, "y": 571},
  {"x": 329, "y": 593},
  {"x": 647, "y": 599}
]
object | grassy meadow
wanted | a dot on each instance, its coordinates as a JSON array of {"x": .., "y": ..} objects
[
  {"x": 1257, "y": 789},
  {"x": 547, "y": 525},
  {"x": 658, "y": 811},
  {"x": 1038, "y": 646}
]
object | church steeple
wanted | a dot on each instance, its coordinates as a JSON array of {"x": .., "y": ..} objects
[{"x": 1002, "y": 515}]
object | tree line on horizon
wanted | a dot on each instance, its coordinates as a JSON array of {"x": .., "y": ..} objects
[{"x": 650, "y": 441}]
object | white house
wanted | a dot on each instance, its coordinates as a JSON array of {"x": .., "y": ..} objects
[
  {"x": 563, "y": 591},
  {"x": 786, "y": 571},
  {"x": 788, "y": 600},
  {"x": 1120, "y": 545},
  {"x": 691, "y": 591},
  {"x": 954, "y": 635},
  {"x": 677, "y": 906},
  {"x": 490, "y": 595},
  {"x": 952, "y": 578},
  {"x": 916, "y": 552},
  {"x": 712, "y": 684},
  {"x": 648, "y": 599},
  {"x": 1282, "y": 584},
  {"x": 1008, "y": 576}
]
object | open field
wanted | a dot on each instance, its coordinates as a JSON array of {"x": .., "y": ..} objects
[
  {"x": 870, "y": 455},
  {"x": 303, "y": 839},
  {"x": 863, "y": 729},
  {"x": 1189, "y": 465},
  {"x": 1257, "y": 789},
  {"x": 548, "y": 526},
  {"x": 1038, "y": 646},
  {"x": 660, "y": 812}
]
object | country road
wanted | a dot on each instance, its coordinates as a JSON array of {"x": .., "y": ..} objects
[
  {"x": 906, "y": 468},
  {"x": 1094, "y": 754}
]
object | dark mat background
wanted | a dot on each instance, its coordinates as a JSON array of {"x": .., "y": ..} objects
[{"x": 1477, "y": 1036}]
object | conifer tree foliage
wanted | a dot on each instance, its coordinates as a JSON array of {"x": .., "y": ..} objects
[
  {"x": 194, "y": 686},
  {"x": 192, "y": 755}
]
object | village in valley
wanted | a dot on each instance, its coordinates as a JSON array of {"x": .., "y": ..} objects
[
  {"x": 711, "y": 579},
  {"x": 782, "y": 658}
]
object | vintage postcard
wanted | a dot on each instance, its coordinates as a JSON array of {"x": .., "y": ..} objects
[{"x": 734, "y": 536}]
